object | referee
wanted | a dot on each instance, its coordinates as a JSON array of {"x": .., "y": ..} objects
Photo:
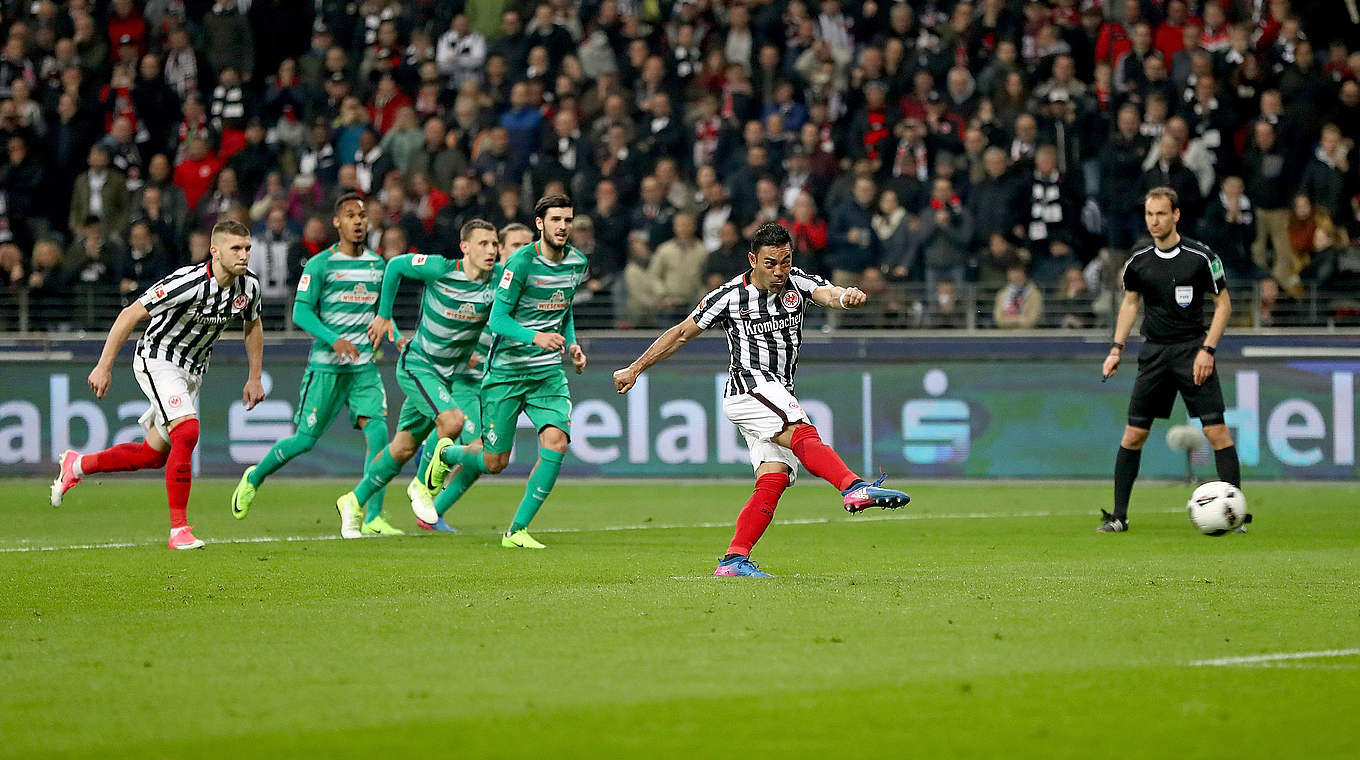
[{"x": 1173, "y": 277}]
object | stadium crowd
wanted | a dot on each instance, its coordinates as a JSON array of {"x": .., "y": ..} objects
[{"x": 917, "y": 149}]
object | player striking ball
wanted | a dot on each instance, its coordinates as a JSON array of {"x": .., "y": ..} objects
[
  {"x": 1171, "y": 278},
  {"x": 188, "y": 309},
  {"x": 337, "y": 297},
  {"x": 762, "y": 312}
]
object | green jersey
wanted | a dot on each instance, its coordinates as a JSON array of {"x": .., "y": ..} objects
[
  {"x": 453, "y": 311},
  {"x": 533, "y": 295},
  {"x": 337, "y": 296}
]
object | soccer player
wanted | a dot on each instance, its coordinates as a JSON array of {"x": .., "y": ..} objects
[
  {"x": 762, "y": 313},
  {"x": 337, "y": 298},
  {"x": 188, "y": 310},
  {"x": 531, "y": 324},
  {"x": 439, "y": 366},
  {"x": 1172, "y": 278},
  {"x": 514, "y": 236}
]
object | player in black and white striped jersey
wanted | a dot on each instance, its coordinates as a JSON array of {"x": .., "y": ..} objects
[
  {"x": 762, "y": 313},
  {"x": 188, "y": 310}
]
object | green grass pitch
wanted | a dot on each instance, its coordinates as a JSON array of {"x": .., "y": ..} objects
[{"x": 985, "y": 620}]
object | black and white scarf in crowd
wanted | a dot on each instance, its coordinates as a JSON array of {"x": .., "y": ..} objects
[{"x": 1045, "y": 206}]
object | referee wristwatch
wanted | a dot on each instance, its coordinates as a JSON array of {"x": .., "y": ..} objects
[
  {"x": 1210, "y": 350},
  {"x": 1117, "y": 345}
]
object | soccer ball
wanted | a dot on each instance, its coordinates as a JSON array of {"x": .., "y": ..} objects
[{"x": 1217, "y": 508}]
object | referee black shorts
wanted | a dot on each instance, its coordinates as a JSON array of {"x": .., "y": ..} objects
[{"x": 1165, "y": 369}]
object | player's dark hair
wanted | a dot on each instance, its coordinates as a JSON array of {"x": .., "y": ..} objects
[
  {"x": 1164, "y": 192},
  {"x": 229, "y": 227},
  {"x": 514, "y": 227},
  {"x": 551, "y": 201},
  {"x": 472, "y": 225},
  {"x": 346, "y": 198},
  {"x": 770, "y": 234}
]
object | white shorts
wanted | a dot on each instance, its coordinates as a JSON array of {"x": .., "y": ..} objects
[
  {"x": 762, "y": 414},
  {"x": 171, "y": 389}
]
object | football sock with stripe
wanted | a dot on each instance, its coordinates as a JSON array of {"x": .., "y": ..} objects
[
  {"x": 423, "y": 456},
  {"x": 179, "y": 471},
  {"x": 1125, "y": 472},
  {"x": 278, "y": 455},
  {"x": 1228, "y": 466},
  {"x": 755, "y": 517},
  {"x": 540, "y": 484},
  {"x": 375, "y": 432},
  {"x": 454, "y": 488},
  {"x": 125, "y": 457},
  {"x": 377, "y": 475},
  {"x": 820, "y": 459}
]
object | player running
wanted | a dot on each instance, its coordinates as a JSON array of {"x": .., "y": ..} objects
[
  {"x": 531, "y": 323},
  {"x": 762, "y": 312},
  {"x": 438, "y": 367},
  {"x": 188, "y": 309},
  {"x": 337, "y": 297}
]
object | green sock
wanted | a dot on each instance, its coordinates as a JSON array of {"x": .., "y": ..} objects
[
  {"x": 454, "y": 490},
  {"x": 377, "y": 475},
  {"x": 375, "y": 432},
  {"x": 471, "y": 459},
  {"x": 278, "y": 455},
  {"x": 540, "y": 484},
  {"x": 426, "y": 453}
]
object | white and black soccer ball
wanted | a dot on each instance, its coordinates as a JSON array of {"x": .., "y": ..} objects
[{"x": 1217, "y": 507}]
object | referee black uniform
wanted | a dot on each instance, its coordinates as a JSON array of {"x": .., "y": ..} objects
[{"x": 1174, "y": 285}]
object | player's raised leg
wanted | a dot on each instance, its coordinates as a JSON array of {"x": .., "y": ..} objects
[
  {"x": 125, "y": 457},
  {"x": 821, "y": 460}
]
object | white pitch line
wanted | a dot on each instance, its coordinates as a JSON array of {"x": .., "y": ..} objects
[
  {"x": 606, "y": 529},
  {"x": 1260, "y": 658}
]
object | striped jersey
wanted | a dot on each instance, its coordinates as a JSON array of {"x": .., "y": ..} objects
[
  {"x": 450, "y": 340},
  {"x": 536, "y": 293},
  {"x": 189, "y": 310},
  {"x": 341, "y": 291},
  {"x": 764, "y": 327}
]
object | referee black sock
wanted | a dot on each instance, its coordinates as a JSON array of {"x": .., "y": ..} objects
[
  {"x": 1229, "y": 468},
  {"x": 1125, "y": 472}
]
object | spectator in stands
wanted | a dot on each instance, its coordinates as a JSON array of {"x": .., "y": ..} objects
[
  {"x": 1120, "y": 166},
  {"x": 49, "y": 288},
  {"x": 100, "y": 191},
  {"x": 992, "y": 202},
  {"x": 228, "y": 39},
  {"x": 269, "y": 257},
  {"x": 12, "y": 277},
  {"x": 1051, "y": 221},
  {"x": 195, "y": 175},
  {"x": 1019, "y": 304},
  {"x": 1167, "y": 170},
  {"x": 729, "y": 259},
  {"x": 1305, "y": 220},
  {"x": 1228, "y": 227},
  {"x": 142, "y": 263},
  {"x": 90, "y": 268},
  {"x": 1324, "y": 177},
  {"x": 943, "y": 243},
  {"x": 677, "y": 269},
  {"x": 654, "y": 217},
  {"x": 995, "y": 259},
  {"x": 892, "y": 228},
  {"x": 22, "y": 181},
  {"x": 1071, "y": 306},
  {"x": 853, "y": 245},
  {"x": 224, "y": 196}
]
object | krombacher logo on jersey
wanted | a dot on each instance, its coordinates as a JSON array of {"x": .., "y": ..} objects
[
  {"x": 465, "y": 313},
  {"x": 557, "y": 302},
  {"x": 360, "y": 294}
]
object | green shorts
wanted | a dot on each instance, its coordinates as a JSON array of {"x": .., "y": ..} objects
[
  {"x": 545, "y": 397},
  {"x": 323, "y": 393},
  {"x": 429, "y": 394}
]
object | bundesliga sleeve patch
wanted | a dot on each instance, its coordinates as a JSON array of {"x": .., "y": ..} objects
[
  {"x": 507, "y": 278},
  {"x": 159, "y": 293},
  {"x": 418, "y": 260},
  {"x": 1216, "y": 267},
  {"x": 304, "y": 282}
]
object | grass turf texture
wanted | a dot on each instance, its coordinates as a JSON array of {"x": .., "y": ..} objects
[{"x": 923, "y": 633}]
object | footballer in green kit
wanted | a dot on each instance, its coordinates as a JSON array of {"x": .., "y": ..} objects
[
  {"x": 337, "y": 298},
  {"x": 530, "y": 326},
  {"x": 441, "y": 365}
]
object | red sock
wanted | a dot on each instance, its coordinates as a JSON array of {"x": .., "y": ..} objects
[
  {"x": 759, "y": 510},
  {"x": 179, "y": 471},
  {"x": 820, "y": 459},
  {"x": 124, "y": 457}
]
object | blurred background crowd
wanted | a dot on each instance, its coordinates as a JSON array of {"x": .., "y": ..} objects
[{"x": 970, "y": 164}]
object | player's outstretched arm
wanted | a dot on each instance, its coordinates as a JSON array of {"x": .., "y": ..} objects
[
  {"x": 254, "y": 337},
  {"x": 413, "y": 265},
  {"x": 836, "y": 297},
  {"x": 1128, "y": 312},
  {"x": 669, "y": 342},
  {"x": 102, "y": 374}
]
